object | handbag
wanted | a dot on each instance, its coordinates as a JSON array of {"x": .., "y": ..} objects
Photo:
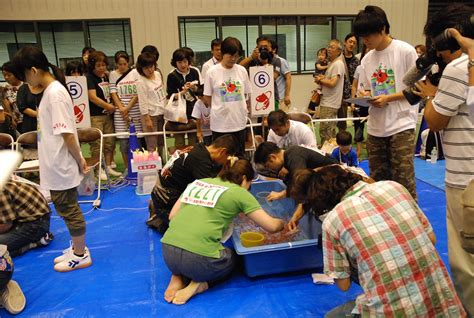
[{"x": 175, "y": 110}]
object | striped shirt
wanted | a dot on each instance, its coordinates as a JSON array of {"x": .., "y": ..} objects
[
  {"x": 458, "y": 137},
  {"x": 21, "y": 202},
  {"x": 126, "y": 90},
  {"x": 379, "y": 230}
]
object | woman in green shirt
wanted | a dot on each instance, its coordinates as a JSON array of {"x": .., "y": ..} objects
[{"x": 191, "y": 246}]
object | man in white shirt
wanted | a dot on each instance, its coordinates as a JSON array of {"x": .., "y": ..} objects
[
  {"x": 446, "y": 110},
  {"x": 215, "y": 59},
  {"x": 332, "y": 88},
  {"x": 285, "y": 132},
  {"x": 392, "y": 120}
]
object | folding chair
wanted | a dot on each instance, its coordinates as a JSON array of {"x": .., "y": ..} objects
[
  {"x": 7, "y": 142},
  {"x": 250, "y": 145},
  {"x": 169, "y": 128},
  {"x": 304, "y": 118},
  {"x": 30, "y": 152},
  {"x": 88, "y": 135}
]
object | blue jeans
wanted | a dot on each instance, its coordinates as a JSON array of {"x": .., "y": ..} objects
[{"x": 19, "y": 237}]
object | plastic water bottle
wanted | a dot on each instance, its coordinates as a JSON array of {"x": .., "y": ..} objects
[{"x": 434, "y": 155}]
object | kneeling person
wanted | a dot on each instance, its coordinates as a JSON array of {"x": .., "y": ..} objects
[
  {"x": 191, "y": 246},
  {"x": 24, "y": 217},
  {"x": 201, "y": 162}
]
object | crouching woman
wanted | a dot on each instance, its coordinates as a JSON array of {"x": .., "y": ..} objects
[{"x": 192, "y": 247}]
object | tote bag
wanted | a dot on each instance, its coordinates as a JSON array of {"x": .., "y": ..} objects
[{"x": 175, "y": 110}]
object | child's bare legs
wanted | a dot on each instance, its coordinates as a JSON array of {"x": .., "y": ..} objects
[
  {"x": 194, "y": 288},
  {"x": 176, "y": 283}
]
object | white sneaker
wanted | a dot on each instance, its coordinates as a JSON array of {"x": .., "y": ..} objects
[
  {"x": 67, "y": 251},
  {"x": 72, "y": 262},
  {"x": 13, "y": 299},
  {"x": 113, "y": 172}
]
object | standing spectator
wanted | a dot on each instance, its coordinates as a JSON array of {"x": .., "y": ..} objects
[
  {"x": 285, "y": 132},
  {"x": 152, "y": 98},
  {"x": 9, "y": 96},
  {"x": 446, "y": 110},
  {"x": 183, "y": 80},
  {"x": 332, "y": 88},
  {"x": 101, "y": 108},
  {"x": 61, "y": 163},
  {"x": 420, "y": 50},
  {"x": 392, "y": 120},
  {"x": 74, "y": 68},
  {"x": 376, "y": 235},
  {"x": 226, "y": 88},
  {"x": 123, "y": 89},
  {"x": 24, "y": 218},
  {"x": 283, "y": 81},
  {"x": 215, "y": 59},
  {"x": 28, "y": 100},
  {"x": 86, "y": 51},
  {"x": 351, "y": 62}
]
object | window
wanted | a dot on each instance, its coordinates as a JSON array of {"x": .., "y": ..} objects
[
  {"x": 62, "y": 41},
  {"x": 298, "y": 37}
]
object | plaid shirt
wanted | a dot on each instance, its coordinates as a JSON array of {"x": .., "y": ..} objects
[
  {"x": 21, "y": 202},
  {"x": 379, "y": 230}
]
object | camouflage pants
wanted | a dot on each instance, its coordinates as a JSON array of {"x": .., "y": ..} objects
[
  {"x": 391, "y": 158},
  {"x": 327, "y": 130}
]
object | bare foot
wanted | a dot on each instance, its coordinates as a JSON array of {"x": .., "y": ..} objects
[
  {"x": 176, "y": 283},
  {"x": 183, "y": 295}
]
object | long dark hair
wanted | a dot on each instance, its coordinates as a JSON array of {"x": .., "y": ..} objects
[
  {"x": 322, "y": 189},
  {"x": 235, "y": 169},
  {"x": 31, "y": 56}
]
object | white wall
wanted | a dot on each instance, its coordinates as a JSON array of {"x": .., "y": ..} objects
[{"x": 156, "y": 21}]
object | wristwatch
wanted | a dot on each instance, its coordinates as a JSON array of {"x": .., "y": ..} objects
[
  {"x": 470, "y": 64},
  {"x": 427, "y": 98}
]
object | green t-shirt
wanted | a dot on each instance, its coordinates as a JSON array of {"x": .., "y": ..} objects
[{"x": 199, "y": 229}]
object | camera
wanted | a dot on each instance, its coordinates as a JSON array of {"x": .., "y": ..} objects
[
  {"x": 265, "y": 54},
  {"x": 424, "y": 66}
]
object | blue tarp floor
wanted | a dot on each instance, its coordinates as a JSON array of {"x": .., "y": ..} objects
[{"x": 128, "y": 276}]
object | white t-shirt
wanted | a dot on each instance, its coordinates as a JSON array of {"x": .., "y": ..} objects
[
  {"x": 206, "y": 66},
  {"x": 383, "y": 72},
  {"x": 332, "y": 97},
  {"x": 228, "y": 88},
  {"x": 298, "y": 134},
  {"x": 470, "y": 102},
  {"x": 458, "y": 136},
  {"x": 151, "y": 95},
  {"x": 200, "y": 111},
  {"x": 58, "y": 168}
]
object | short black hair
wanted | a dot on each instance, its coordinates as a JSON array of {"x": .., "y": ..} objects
[
  {"x": 121, "y": 54},
  {"x": 145, "y": 60},
  {"x": 264, "y": 38},
  {"x": 277, "y": 118},
  {"x": 87, "y": 49},
  {"x": 456, "y": 16},
  {"x": 73, "y": 66},
  {"x": 231, "y": 46},
  {"x": 263, "y": 152},
  {"x": 274, "y": 45},
  {"x": 228, "y": 142},
  {"x": 94, "y": 58},
  {"x": 215, "y": 42},
  {"x": 344, "y": 138},
  {"x": 8, "y": 67},
  {"x": 371, "y": 20},
  {"x": 152, "y": 50},
  {"x": 180, "y": 55},
  {"x": 350, "y": 35}
]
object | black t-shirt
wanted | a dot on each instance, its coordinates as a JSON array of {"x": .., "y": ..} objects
[
  {"x": 26, "y": 99},
  {"x": 101, "y": 86},
  {"x": 297, "y": 157},
  {"x": 175, "y": 83},
  {"x": 196, "y": 164}
]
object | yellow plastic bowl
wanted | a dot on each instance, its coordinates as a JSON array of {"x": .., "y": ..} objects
[{"x": 250, "y": 239}]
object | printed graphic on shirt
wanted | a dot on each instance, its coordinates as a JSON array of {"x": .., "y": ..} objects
[
  {"x": 205, "y": 121},
  {"x": 203, "y": 194},
  {"x": 104, "y": 86},
  {"x": 231, "y": 91},
  {"x": 383, "y": 81},
  {"x": 160, "y": 93},
  {"x": 127, "y": 89}
]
